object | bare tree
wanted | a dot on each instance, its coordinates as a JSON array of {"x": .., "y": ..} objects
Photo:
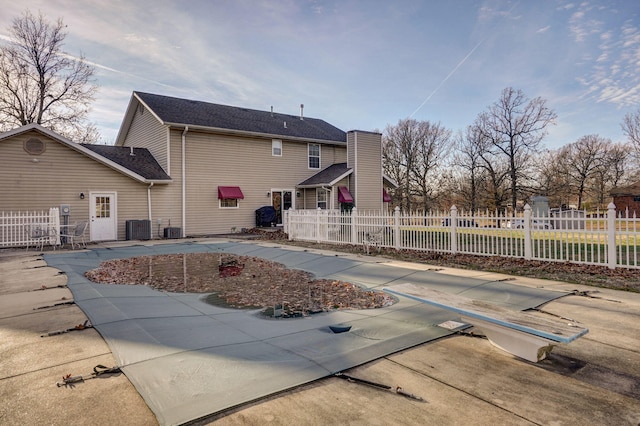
[
  {"x": 515, "y": 127},
  {"x": 398, "y": 157},
  {"x": 551, "y": 177},
  {"x": 583, "y": 159},
  {"x": 40, "y": 83},
  {"x": 433, "y": 144},
  {"x": 413, "y": 151},
  {"x": 468, "y": 158},
  {"x": 497, "y": 172},
  {"x": 613, "y": 170},
  {"x": 631, "y": 128}
]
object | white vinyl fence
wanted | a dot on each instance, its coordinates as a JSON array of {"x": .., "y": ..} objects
[
  {"x": 15, "y": 228},
  {"x": 570, "y": 236}
]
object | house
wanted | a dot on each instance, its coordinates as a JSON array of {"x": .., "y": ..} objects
[
  {"x": 627, "y": 198},
  {"x": 40, "y": 169},
  {"x": 198, "y": 167}
]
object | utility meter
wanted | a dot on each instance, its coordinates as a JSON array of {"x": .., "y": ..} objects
[{"x": 65, "y": 209}]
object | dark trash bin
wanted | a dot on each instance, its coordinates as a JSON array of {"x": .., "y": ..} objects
[{"x": 265, "y": 216}]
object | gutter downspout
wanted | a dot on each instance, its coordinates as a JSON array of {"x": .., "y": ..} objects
[
  {"x": 149, "y": 206},
  {"x": 355, "y": 169},
  {"x": 184, "y": 183}
]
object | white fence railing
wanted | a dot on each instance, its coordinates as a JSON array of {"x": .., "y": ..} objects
[
  {"x": 569, "y": 236},
  {"x": 15, "y": 228}
]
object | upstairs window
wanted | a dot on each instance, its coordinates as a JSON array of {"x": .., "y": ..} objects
[
  {"x": 314, "y": 156},
  {"x": 276, "y": 147},
  {"x": 321, "y": 198}
]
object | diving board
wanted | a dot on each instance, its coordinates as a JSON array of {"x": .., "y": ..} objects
[{"x": 520, "y": 333}]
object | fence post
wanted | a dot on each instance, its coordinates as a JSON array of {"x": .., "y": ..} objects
[
  {"x": 611, "y": 236},
  {"x": 54, "y": 222},
  {"x": 454, "y": 223},
  {"x": 396, "y": 227},
  {"x": 527, "y": 233},
  {"x": 285, "y": 221},
  {"x": 354, "y": 233}
]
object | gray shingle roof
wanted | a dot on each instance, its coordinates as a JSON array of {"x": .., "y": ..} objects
[
  {"x": 633, "y": 189},
  {"x": 328, "y": 176},
  {"x": 141, "y": 163},
  {"x": 197, "y": 113}
]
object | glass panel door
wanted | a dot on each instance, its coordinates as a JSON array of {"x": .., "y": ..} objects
[{"x": 281, "y": 202}]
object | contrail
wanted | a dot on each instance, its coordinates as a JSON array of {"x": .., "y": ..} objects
[
  {"x": 100, "y": 66},
  {"x": 447, "y": 78},
  {"x": 460, "y": 64},
  {"x": 113, "y": 70}
]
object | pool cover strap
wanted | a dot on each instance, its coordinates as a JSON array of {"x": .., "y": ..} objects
[
  {"x": 98, "y": 370},
  {"x": 397, "y": 389}
]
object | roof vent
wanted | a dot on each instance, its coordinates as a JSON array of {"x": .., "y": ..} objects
[
  {"x": 272, "y": 110},
  {"x": 131, "y": 153},
  {"x": 34, "y": 146},
  {"x": 301, "y": 111},
  {"x": 285, "y": 124}
]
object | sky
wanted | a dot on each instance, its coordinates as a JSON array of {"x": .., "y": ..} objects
[{"x": 361, "y": 64}]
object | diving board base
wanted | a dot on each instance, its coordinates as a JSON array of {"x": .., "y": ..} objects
[
  {"x": 527, "y": 346},
  {"x": 528, "y": 336}
]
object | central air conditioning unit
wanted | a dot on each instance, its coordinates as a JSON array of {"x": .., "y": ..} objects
[
  {"x": 172, "y": 232},
  {"x": 138, "y": 229}
]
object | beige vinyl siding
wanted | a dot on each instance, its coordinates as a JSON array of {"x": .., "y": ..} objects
[
  {"x": 307, "y": 199},
  {"x": 167, "y": 199},
  {"x": 59, "y": 176},
  {"x": 334, "y": 154},
  {"x": 351, "y": 163},
  {"x": 225, "y": 160},
  {"x": 351, "y": 152},
  {"x": 147, "y": 132},
  {"x": 368, "y": 170}
]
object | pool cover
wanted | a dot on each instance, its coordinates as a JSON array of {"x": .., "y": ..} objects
[{"x": 189, "y": 359}]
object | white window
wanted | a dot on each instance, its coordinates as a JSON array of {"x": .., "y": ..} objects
[
  {"x": 229, "y": 203},
  {"x": 276, "y": 147},
  {"x": 314, "y": 156},
  {"x": 322, "y": 198},
  {"x": 228, "y": 197}
]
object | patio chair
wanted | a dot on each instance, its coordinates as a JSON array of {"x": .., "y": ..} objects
[
  {"x": 73, "y": 233},
  {"x": 38, "y": 233}
]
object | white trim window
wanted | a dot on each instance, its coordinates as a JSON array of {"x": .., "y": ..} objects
[
  {"x": 228, "y": 197},
  {"x": 314, "y": 155},
  {"x": 321, "y": 198},
  {"x": 229, "y": 203},
  {"x": 276, "y": 147}
]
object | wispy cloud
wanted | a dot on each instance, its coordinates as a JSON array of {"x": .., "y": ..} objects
[
  {"x": 613, "y": 56},
  {"x": 341, "y": 58}
]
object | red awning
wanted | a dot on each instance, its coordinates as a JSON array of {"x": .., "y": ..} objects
[
  {"x": 230, "y": 192},
  {"x": 344, "y": 196},
  {"x": 385, "y": 196}
]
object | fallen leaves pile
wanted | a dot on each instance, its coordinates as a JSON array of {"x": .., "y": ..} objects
[
  {"x": 240, "y": 282},
  {"x": 626, "y": 279}
]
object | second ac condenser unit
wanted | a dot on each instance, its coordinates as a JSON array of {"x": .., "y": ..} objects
[{"x": 138, "y": 229}]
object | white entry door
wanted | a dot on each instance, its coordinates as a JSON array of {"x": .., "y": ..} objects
[{"x": 103, "y": 216}]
